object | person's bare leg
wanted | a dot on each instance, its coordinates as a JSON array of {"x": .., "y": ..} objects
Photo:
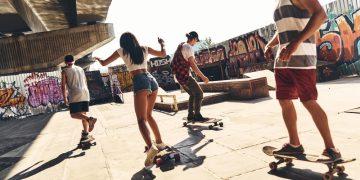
[
  {"x": 321, "y": 121},
  {"x": 82, "y": 116},
  {"x": 141, "y": 114},
  {"x": 290, "y": 119},
  {"x": 150, "y": 119}
]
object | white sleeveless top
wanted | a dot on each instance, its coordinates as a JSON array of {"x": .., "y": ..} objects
[
  {"x": 77, "y": 85},
  {"x": 127, "y": 60}
]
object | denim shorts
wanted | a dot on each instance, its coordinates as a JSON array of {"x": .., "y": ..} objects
[{"x": 144, "y": 81}]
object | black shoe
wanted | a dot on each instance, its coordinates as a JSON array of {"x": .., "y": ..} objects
[
  {"x": 85, "y": 137},
  {"x": 289, "y": 150},
  {"x": 333, "y": 154},
  {"x": 200, "y": 118},
  {"x": 190, "y": 117}
]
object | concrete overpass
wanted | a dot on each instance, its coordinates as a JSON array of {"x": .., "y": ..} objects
[{"x": 35, "y": 35}]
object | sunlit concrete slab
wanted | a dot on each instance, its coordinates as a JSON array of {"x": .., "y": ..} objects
[
  {"x": 10, "y": 20},
  {"x": 42, "y": 15},
  {"x": 38, "y": 51},
  {"x": 92, "y": 10}
]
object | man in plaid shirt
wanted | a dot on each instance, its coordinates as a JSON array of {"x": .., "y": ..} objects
[{"x": 183, "y": 60}]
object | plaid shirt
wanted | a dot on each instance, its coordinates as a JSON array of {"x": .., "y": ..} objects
[{"x": 180, "y": 66}]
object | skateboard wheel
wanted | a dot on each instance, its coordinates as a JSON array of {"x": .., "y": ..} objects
[
  {"x": 177, "y": 157},
  {"x": 328, "y": 176},
  {"x": 340, "y": 169},
  {"x": 159, "y": 161},
  {"x": 185, "y": 124},
  {"x": 211, "y": 127},
  {"x": 289, "y": 162},
  {"x": 273, "y": 166},
  {"x": 221, "y": 124}
]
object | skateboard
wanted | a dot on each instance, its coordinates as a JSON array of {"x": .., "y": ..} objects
[
  {"x": 166, "y": 155},
  {"x": 212, "y": 121},
  {"x": 86, "y": 145},
  {"x": 333, "y": 166}
]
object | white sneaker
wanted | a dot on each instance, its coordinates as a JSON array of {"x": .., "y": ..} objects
[{"x": 151, "y": 153}]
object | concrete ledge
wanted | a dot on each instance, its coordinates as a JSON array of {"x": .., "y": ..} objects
[
  {"x": 240, "y": 89},
  {"x": 182, "y": 104}
]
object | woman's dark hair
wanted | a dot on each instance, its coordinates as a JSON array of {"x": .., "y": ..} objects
[{"x": 132, "y": 48}]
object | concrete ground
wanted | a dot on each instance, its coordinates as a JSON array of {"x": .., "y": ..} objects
[{"x": 42, "y": 147}]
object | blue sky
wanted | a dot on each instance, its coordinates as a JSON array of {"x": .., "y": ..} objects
[{"x": 220, "y": 20}]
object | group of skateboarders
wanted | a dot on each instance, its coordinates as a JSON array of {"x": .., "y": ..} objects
[{"x": 295, "y": 74}]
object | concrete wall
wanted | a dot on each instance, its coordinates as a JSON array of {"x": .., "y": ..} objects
[
  {"x": 39, "y": 51},
  {"x": 120, "y": 79},
  {"x": 30, "y": 94},
  {"x": 338, "y": 46},
  {"x": 239, "y": 55},
  {"x": 161, "y": 70}
]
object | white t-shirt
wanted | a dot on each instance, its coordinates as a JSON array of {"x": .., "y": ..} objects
[
  {"x": 187, "y": 51},
  {"x": 127, "y": 61},
  {"x": 77, "y": 85}
]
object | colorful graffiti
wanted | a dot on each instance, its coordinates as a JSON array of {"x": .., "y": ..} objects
[
  {"x": 43, "y": 90},
  {"x": 12, "y": 101},
  {"x": 121, "y": 80},
  {"x": 99, "y": 91},
  {"x": 212, "y": 55},
  {"x": 338, "y": 42},
  {"x": 161, "y": 70},
  {"x": 343, "y": 42},
  {"x": 246, "y": 54}
]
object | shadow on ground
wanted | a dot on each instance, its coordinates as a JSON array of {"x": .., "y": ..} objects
[
  {"x": 188, "y": 156},
  {"x": 26, "y": 173},
  {"x": 18, "y": 133},
  {"x": 289, "y": 172}
]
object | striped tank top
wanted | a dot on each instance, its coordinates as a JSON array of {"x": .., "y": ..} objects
[{"x": 290, "y": 21}]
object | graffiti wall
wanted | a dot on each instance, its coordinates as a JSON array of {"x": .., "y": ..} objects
[
  {"x": 30, "y": 94},
  {"x": 161, "y": 70},
  {"x": 120, "y": 79},
  {"x": 338, "y": 39},
  {"x": 99, "y": 90},
  {"x": 338, "y": 46},
  {"x": 240, "y": 55},
  {"x": 212, "y": 55}
]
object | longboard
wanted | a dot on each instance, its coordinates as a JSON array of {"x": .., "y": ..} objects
[
  {"x": 166, "y": 155},
  {"x": 334, "y": 166},
  {"x": 212, "y": 121}
]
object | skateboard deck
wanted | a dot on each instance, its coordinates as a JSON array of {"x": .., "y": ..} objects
[
  {"x": 334, "y": 166},
  {"x": 166, "y": 155},
  {"x": 212, "y": 121}
]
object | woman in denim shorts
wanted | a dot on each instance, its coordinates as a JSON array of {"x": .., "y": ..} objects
[{"x": 145, "y": 87}]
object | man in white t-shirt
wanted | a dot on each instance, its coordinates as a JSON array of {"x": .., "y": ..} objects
[
  {"x": 184, "y": 59},
  {"x": 76, "y": 95}
]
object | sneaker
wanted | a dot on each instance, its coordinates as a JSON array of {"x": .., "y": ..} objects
[
  {"x": 200, "y": 118},
  {"x": 92, "y": 122},
  {"x": 151, "y": 153},
  {"x": 190, "y": 117},
  {"x": 333, "y": 154},
  {"x": 290, "y": 150},
  {"x": 161, "y": 146},
  {"x": 85, "y": 137}
]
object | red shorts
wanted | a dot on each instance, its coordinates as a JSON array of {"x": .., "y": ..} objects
[{"x": 296, "y": 83}]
